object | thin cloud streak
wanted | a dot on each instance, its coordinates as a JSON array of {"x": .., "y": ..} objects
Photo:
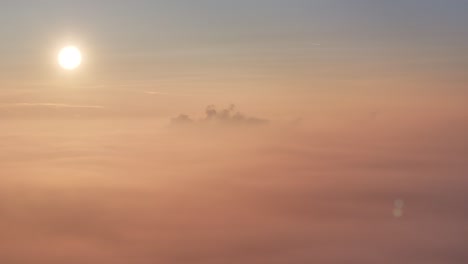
[
  {"x": 163, "y": 93},
  {"x": 54, "y": 105}
]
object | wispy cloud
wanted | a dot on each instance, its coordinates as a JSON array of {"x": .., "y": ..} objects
[
  {"x": 164, "y": 93},
  {"x": 52, "y": 105}
]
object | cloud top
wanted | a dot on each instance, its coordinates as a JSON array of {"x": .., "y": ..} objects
[{"x": 225, "y": 116}]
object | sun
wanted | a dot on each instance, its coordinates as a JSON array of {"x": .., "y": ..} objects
[{"x": 69, "y": 58}]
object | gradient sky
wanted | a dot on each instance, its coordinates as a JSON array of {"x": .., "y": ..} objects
[
  {"x": 347, "y": 142},
  {"x": 258, "y": 42}
]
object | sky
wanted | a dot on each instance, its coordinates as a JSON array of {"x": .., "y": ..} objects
[
  {"x": 308, "y": 41},
  {"x": 260, "y": 131}
]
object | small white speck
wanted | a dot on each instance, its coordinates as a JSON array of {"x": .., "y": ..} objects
[
  {"x": 397, "y": 213},
  {"x": 399, "y": 204}
]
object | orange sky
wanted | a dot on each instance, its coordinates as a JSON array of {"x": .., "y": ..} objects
[{"x": 234, "y": 132}]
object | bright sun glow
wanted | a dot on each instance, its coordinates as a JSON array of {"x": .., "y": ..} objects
[{"x": 69, "y": 58}]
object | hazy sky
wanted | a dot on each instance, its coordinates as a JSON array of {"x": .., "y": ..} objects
[
  {"x": 308, "y": 44},
  {"x": 348, "y": 142}
]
